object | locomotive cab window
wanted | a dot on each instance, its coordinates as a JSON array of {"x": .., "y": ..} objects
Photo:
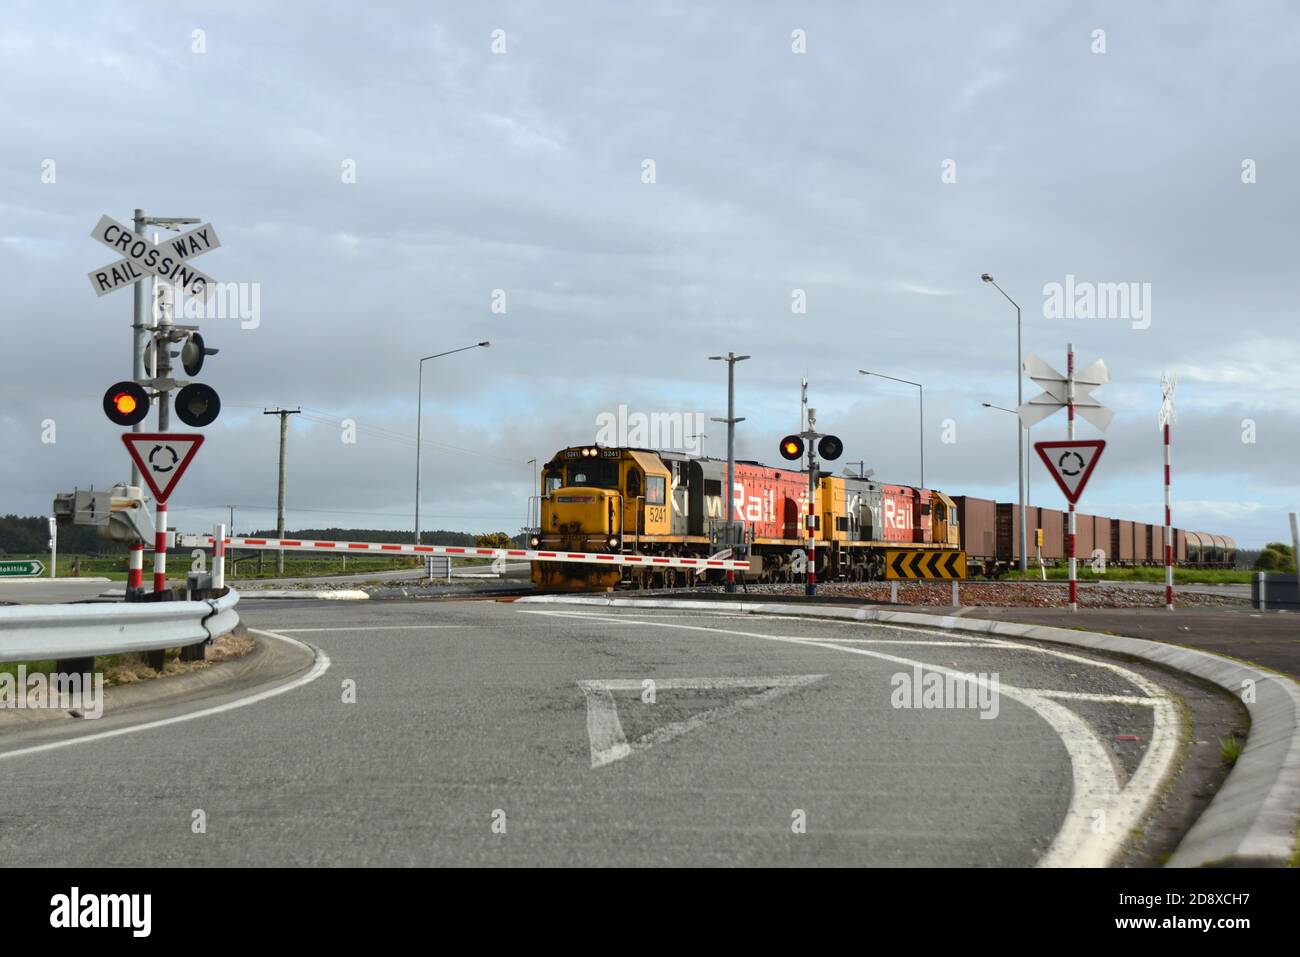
[
  {"x": 654, "y": 489},
  {"x": 633, "y": 483},
  {"x": 600, "y": 473}
]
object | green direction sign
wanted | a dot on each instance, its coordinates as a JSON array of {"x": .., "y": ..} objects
[{"x": 21, "y": 569}]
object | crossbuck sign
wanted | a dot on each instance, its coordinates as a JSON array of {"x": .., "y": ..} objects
[{"x": 169, "y": 260}]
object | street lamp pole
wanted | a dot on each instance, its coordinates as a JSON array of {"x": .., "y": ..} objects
[
  {"x": 921, "y": 393},
  {"x": 731, "y": 359},
  {"x": 419, "y": 422},
  {"x": 1020, "y": 428}
]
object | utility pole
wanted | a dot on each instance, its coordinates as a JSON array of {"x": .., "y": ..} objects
[
  {"x": 731, "y": 359},
  {"x": 279, "y": 502}
]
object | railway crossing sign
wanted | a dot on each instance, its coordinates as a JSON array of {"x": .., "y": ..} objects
[
  {"x": 1056, "y": 393},
  {"x": 935, "y": 565},
  {"x": 1071, "y": 463},
  {"x": 21, "y": 569},
  {"x": 168, "y": 260},
  {"x": 162, "y": 457}
]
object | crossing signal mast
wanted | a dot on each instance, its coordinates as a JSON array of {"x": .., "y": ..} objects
[
  {"x": 793, "y": 448},
  {"x": 127, "y": 403}
]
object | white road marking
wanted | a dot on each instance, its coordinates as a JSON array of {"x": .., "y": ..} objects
[
  {"x": 1095, "y": 784},
  {"x": 605, "y": 731},
  {"x": 1093, "y": 696},
  {"x": 318, "y": 668},
  {"x": 300, "y": 631}
]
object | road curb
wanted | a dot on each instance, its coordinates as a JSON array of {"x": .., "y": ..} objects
[
  {"x": 339, "y": 594},
  {"x": 1252, "y": 820}
]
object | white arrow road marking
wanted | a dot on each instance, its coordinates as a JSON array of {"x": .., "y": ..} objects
[
  {"x": 1095, "y": 784},
  {"x": 605, "y": 731},
  {"x": 318, "y": 668}
]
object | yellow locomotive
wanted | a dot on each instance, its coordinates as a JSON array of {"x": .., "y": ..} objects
[{"x": 598, "y": 499}]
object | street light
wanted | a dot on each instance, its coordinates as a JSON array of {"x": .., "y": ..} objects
[
  {"x": 921, "y": 390},
  {"x": 1020, "y": 429},
  {"x": 419, "y": 416}
]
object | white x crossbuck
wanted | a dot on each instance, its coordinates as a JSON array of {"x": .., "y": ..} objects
[{"x": 168, "y": 260}]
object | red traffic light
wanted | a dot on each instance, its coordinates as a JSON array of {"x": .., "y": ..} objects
[
  {"x": 791, "y": 447},
  {"x": 126, "y": 403}
]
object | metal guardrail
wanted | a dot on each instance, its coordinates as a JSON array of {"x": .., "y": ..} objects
[{"x": 64, "y": 632}]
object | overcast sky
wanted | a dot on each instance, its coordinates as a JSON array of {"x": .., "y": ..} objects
[{"x": 909, "y": 149}]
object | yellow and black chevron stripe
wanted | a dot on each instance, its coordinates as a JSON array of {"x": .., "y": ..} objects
[{"x": 943, "y": 565}]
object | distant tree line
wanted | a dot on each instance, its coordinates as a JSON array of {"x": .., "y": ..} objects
[
  {"x": 1276, "y": 557},
  {"x": 439, "y": 537},
  {"x": 31, "y": 535}
]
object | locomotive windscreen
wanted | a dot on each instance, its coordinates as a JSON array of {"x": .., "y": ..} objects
[{"x": 598, "y": 473}]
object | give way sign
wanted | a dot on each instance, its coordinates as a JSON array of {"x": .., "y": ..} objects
[
  {"x": 162, "y": 457},
  {"x": 1071, "y": 463}
]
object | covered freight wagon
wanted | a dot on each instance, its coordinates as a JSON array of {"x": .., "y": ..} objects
[{"x": 978, "y": 520}]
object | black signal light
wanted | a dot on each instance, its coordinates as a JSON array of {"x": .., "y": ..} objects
[
  {"x": 197, "y": 405},
  {"x": 830, "y": 447}
]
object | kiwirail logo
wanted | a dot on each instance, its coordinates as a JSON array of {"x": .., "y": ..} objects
[
  {"x": 668, "y": 431},
  {"x": 74, "y": 910},
  {"x": 1072, "y": 299},
  {"x": 924, "y": 689},
  {"x": 59, "y": 691}
]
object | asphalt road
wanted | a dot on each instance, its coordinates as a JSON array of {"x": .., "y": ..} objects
[{"x": 522, "y": 734}]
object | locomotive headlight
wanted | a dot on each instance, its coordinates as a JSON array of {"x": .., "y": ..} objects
[
  {"x": 534, "y": 541},
  {"x": 613, "y": 541}
]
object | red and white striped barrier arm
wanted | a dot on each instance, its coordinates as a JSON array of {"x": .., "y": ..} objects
[{"x": 522, "y": 554}]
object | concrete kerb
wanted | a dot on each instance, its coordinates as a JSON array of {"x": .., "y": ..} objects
[
  {"x": 1254, "y": 817},
  {"x": 336, "y": 594}
]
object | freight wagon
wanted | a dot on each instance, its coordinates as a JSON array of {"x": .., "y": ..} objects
[{"x": 596, "y": 498}]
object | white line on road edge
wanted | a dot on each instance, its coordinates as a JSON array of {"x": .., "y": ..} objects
[
  {"x": 318, "y": 668},
  {"x": 299, "y": 631},
  {"x": 1095, "y": 785},
  {"x": 326, "y": 594},
  {"x": 605, "y": 731}
]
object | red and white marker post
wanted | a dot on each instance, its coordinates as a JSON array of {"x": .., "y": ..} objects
[
  {"x": 160, "y": 548},
  {"x": 219, "y": 556},
  {"x": 1073, "y": 560},
  {"x": 1167, "y": 384},
  {"x": 135, "y": 568}
]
